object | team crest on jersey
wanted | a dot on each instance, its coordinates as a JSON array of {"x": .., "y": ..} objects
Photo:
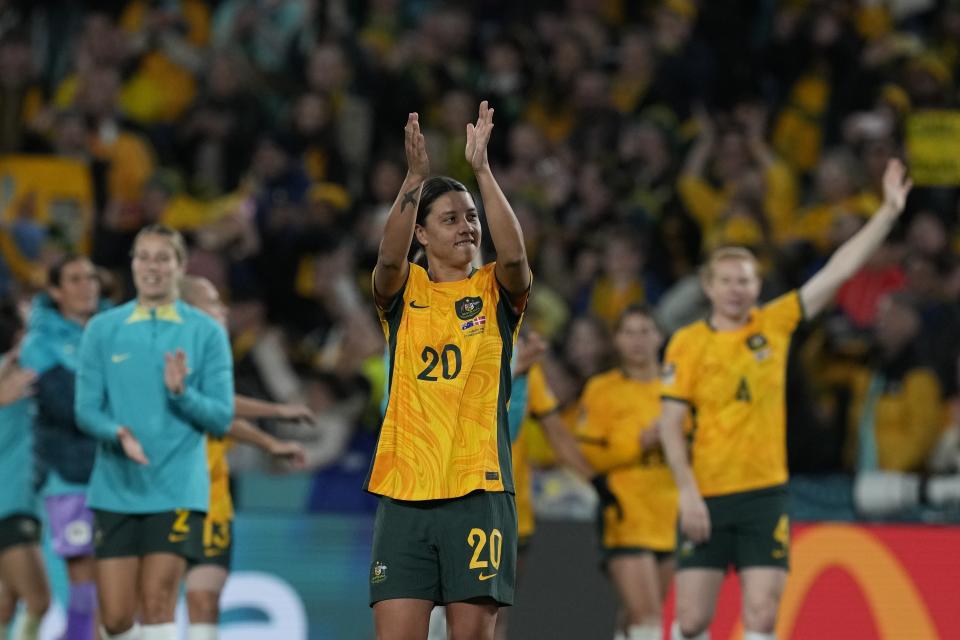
[
  {"x": 469, "y": 307},
  {"x": 669, "y": 373},
  {"x": 759, "y": 345},
  {"x": 378, "y": 573}
]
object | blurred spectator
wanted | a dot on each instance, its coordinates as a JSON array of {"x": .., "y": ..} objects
[
  {"x": 21, "y": 96},
  {"x": 264, "y": 30},
  {"x": 896, "y": 405},
  {"x": 217, "y": 135}
]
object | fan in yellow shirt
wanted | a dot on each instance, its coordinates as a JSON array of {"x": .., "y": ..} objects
[
  {"x": 618, "y": 435},
  {"x": 729, "y": 372}
]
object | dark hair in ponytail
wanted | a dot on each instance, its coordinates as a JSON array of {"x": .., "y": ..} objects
[{"x": 433, "y": 188}]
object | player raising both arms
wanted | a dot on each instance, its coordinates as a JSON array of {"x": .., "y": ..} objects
[
  {"x": 618, "y": 434},
  {"x": 208, "y": 575},
  {"x": 446, "y": 525},
  {"x": 154, "y": 374},
  {"x": 730, "y": 371}
]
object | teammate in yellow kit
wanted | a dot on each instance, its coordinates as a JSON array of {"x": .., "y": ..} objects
[
  {"x": 446, "y": 525},
  {"x": 618, "y": 434},
  {"x": 207, "y": 576},
  {"x": 536, "y": 402},
  {"x": 729, "y": 371}
]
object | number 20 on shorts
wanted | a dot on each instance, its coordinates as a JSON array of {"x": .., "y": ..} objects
[{"x": 478, "y": 539}]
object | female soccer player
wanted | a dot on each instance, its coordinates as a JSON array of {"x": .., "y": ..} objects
[
  {"x": 154, "y": 374},
  {"x": 730, "y": 370},
  {"x": 618, "y": 434},
  {"x": 446, "y": 525},
  {"x": 21, "y": 568},
  {"x": 64, "y": 454},
  {"x": 208, "y": 574}
]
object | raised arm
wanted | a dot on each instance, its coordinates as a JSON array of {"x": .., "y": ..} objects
[
  {"x": 247, "y": 407},
  {"x": 513, "y": 270},
  {"x": 565, "y": 446},
  {"x": 390, "y": 273},
  {"x": 852, "y": 254},
  {"x": 243, "y": 431},
  {"x": 694, "y": 517}
]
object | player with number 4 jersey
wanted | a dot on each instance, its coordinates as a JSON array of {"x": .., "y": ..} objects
[
  {"x": 729, "y": 373},
  {"x": 446, "y": 525}
]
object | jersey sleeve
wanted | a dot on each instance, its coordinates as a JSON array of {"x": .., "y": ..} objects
[
  {"x": 91, "y": 394},
  {"x": 678, "y": 377},
  {"x": 783, "y": 314},
  {"x": 540, "y": 399},
  {"x": 34, "y": 355},
  {"x": 518, "y": 405},
  {"x": 395, "y": 303},
  {"x": 512, "y": 305},
  {"x": 209, "y": 403}
]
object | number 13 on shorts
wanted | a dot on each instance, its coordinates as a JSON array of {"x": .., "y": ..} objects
[{"x": 488, "y": 563}]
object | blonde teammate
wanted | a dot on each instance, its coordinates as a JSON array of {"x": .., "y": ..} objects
[
  {"x": 729, "y": 371},
  {"x": 618, "y": 434}
]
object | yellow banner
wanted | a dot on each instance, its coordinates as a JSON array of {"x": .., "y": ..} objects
[
  {"x": 933, "y": 142},
  {"x": 55, "y": 193}
]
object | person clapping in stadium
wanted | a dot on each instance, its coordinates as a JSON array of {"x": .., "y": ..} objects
[
  {"x": 446, "y": 525},
  {"x": 154, "y": 375}
]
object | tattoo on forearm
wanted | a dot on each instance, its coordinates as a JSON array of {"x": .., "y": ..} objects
[{"x": 410, "y": 197}]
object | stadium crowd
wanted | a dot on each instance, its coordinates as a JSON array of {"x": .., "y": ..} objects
[{"x": 633, "y": 138}]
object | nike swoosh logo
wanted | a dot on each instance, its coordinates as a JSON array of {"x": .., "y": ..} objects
[
  {"x": 414, "y": 305},
  {"x": 176, "y": 538},
  {"x": 483, "y": 577},
  {"x": 119, "y": 357}
]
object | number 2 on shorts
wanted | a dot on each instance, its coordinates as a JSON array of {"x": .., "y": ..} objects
[
  {"x": 180, "y": 525},
  {"x": 477, "y": 539}
]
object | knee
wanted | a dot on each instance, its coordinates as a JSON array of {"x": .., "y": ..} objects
[
  {"x": 159, "y": 602},
  {"x": 203, "y": 606},
  {"x": 760, "y": 613},
  {"x": 38, "y": 602},
  {"x": 645, "y": 614},
  {"x": 472, "y": 629},
  {"x": 692, "y": 620},
  {"x": 116, "y": 622}
]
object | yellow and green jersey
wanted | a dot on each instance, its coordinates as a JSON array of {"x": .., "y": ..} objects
[
  {"x": 735, "y": 383},
  {"x": 445, "y": 432},
  {"x": 614, "y": 411}
]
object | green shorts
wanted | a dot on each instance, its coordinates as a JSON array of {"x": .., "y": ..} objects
[
  {"x": 123, "y": 535},
  {"x": 747, "y": 529},
  {"x": 217, "y": 544},
  {"x": 20, "y": 528},
  {"x": 445, "y": 550}
]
